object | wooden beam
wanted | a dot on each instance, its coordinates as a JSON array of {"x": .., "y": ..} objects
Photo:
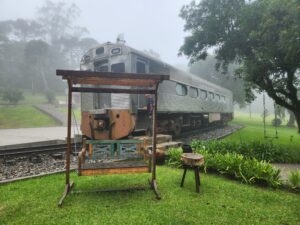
[
  {"x": 113, "y": 81},
  {"x": 79, "y": 73},
  {"x": 113, "y": 90}
]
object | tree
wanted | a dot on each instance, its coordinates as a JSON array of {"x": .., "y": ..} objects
[
  {"x": 36, "y": 55},
  {"x": 291, "y": 122},
  {"x": 12, "y": 95},
  {"x": 57, "y": 20},
  {"x": 262, "y": 35}
]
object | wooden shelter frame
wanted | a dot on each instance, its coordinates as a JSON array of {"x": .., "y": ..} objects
[{"x": 143, "y": 83}]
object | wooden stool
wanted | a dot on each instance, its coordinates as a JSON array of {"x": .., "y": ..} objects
[{"x": 194, "y": 161}]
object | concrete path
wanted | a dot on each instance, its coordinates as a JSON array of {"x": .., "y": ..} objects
[
  {"x": 285, "y": 169},
  {"x": 52, "y": 111},
  {"x": 27, "y": 135}
]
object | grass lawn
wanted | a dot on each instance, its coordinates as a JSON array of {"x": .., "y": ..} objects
[
  {"x": 221, "y": 201},
  {"x": 24, "y": 116},
  {"x": 254, "y": 130}
]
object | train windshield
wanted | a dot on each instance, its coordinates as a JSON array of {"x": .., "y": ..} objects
[
  {"x": 140, "y": 67},
  {"x": 101, "y": 66},
  {"x": 118, "y": 68}
]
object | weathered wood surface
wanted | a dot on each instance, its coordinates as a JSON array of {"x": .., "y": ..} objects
[
  {"x": 192, "y": 159},
  {"x": 120, "y": 170}
]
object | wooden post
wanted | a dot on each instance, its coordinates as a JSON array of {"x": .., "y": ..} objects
[
  {"x": 153, "y": 182},
  {"x": 68, "y": 151},
  {"x": 154, "y": 136}
]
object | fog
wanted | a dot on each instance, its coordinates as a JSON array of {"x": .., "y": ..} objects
[{"x": 146, "y": 24}]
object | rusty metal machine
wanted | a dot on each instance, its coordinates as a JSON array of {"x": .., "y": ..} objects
[{"x": 104, "y": 124}]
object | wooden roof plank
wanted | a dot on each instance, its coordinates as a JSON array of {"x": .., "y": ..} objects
[{"x": 72, "y": 74}]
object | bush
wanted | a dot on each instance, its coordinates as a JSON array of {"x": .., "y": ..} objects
[
  {"x": 294, "y": 179},
  {"x": 276, "y": 122},
  {"x": 253, "y": 149},
  {"x": 248, "y": 170},
  {"x": 50, "y": 95},
  {"x": 12, "y": 95}
]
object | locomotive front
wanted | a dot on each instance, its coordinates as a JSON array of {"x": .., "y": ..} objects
[{"x": 103, "y": 115}]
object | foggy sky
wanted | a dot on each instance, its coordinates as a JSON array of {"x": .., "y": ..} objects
[{"x": 146, "y": 24}]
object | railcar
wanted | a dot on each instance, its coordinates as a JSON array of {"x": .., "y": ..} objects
[{"x": 184, "y": 102}]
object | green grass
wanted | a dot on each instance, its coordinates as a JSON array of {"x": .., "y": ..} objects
[
  {"x": 254, "y": 130},
  {"x": 221, "y": 201},
  {"x": 24, "y": 116}
]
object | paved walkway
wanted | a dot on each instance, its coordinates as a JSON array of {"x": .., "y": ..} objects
[
  {"x": 52, "y": 111},
  {"x": 27, "y": 135},
  {"x": 285, "y": 168}
]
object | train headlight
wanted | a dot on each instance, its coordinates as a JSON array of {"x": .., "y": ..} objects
[{"x": 101, "y": 124}]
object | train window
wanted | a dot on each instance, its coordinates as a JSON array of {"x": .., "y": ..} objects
[
  {"x": 211, "y": 95},
  {"x": 223, "y": 98},
  {"x": 115, "y": 51},
  {"x": 101, "y": 66},
  {"x": 140, "y": 67},
  {"x": 203, "y": 94},
  {"x": 193, "y": 92},
  {"x": 118, "y": 68},
  {"x": 181, "y": 89},
  {"x": 100, "y": 51},
  {"x": 218, "y": 97}
]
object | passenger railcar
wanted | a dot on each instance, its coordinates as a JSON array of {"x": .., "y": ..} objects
[{"x": 185, "y": 101}]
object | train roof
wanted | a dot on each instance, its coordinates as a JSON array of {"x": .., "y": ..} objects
[{"x": 175, "y": 73}]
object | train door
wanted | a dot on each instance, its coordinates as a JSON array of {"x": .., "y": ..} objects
[{"x": 141, "y": 67}]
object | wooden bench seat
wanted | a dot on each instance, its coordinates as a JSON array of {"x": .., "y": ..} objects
[{"x": 117, "y": 167}]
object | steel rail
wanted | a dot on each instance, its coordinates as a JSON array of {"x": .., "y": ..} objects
[{"x": 44, "y": 149}]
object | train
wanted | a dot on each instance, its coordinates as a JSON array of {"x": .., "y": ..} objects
[{"x": 186, "y": 101}]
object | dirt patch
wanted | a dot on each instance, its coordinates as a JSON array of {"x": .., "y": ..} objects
[{"x": 2, "y": 207}]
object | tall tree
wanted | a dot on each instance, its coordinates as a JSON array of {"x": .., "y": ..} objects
[
  {"x": 58, "y": 19},
  {"x": 263, "y": 35},
  {"x": 36, "y": 54}
]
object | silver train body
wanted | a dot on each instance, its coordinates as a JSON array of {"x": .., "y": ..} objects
[{"x": 185, "y": 101}]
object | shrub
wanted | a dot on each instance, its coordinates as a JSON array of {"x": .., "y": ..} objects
[
  {"x": 253, "y": 149},
  {"x": 12, "y": 95},
  {"x": 50, "y": 95},
  {"x": 248, "y": 170},
  {"x": 294, "y": 179},
  {"x": 276, "y": 122}
]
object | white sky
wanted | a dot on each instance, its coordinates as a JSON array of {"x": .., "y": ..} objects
[{"x": 146, "y": 24}]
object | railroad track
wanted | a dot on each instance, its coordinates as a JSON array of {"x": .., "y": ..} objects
[
  {"x": 61, "y": 147},
  {"x": 43, "y": 149},
  {"x": 187, "y": 133}
]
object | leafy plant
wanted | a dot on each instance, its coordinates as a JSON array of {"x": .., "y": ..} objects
[
  {"x": 174, "y": 155},
  {"x": 248, "y": 170},
  {"x": 253, "y": 149},
  {"x": 294, "y": 179},
  {"x": 12, "y": 95}
]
